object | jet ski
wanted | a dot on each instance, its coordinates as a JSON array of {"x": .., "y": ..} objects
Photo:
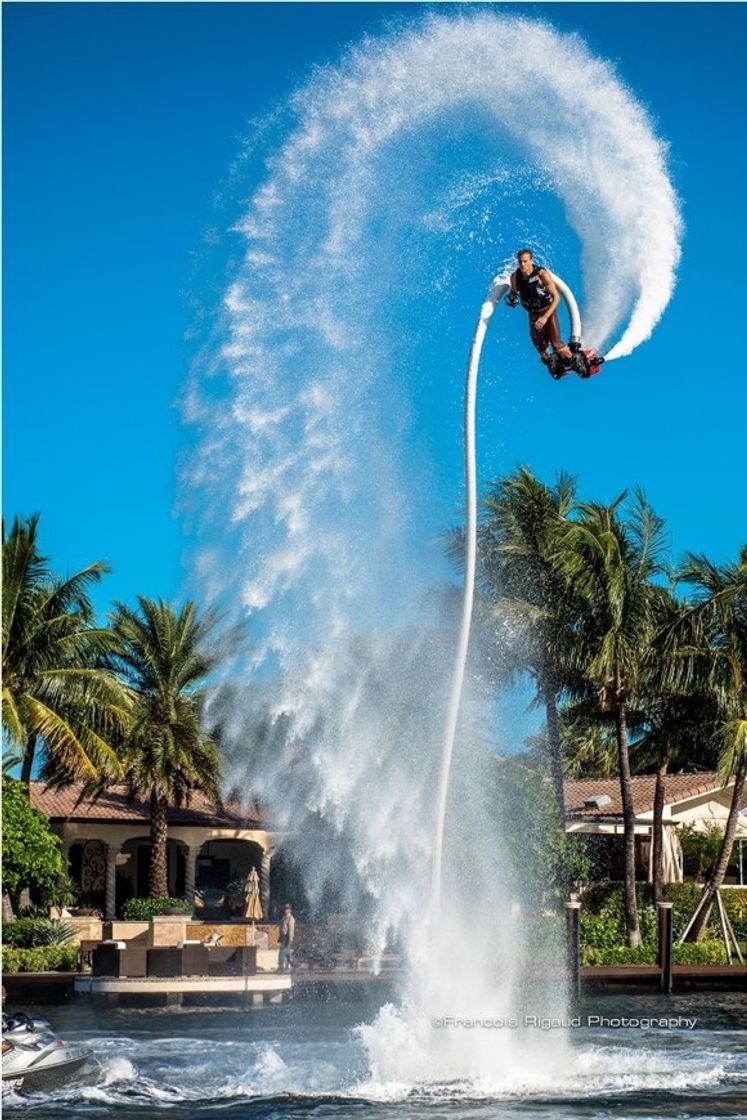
[{"x": 34, "y": 1057}]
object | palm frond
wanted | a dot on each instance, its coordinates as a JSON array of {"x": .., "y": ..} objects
[
  {"x": 12, "y": 722},
  {"x": 733, "y": 739}
]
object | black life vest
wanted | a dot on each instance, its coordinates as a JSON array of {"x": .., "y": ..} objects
[{"x": 533, "y": 294}]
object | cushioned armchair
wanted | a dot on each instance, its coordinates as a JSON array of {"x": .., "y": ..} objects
[
  {"x": 169, "y": 961},
  {"x": 116, "y": 960},
  {"x": 229, "y": 961}
]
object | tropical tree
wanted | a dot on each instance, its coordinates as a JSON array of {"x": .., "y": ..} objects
[
  {"x": 57, "y": 695},
  {"x": 589, "y": 742},
  {"x": 719, "y": 609},
  {"x": 610, "y": 556},
  {"x": 545, "y": 860},
  {"x": 679, "y": 715},
  {"x": 162, "y": 656},
  {"x": 526, "y": 593},
  {"x": 31, "y": 851}
]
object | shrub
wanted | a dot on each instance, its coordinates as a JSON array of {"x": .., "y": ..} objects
[
  {"x": 704, "y": 952},
  {"x": 618, "y": 954},
  {"x": 20, "y": 933},
  {"x": 143, "y": 909},
  {"x": 546, "y": 860},
  {"x": 684, "y": 898},
  {"x": 701, "y": 849},
  {"x": 50, "y": 931},
  {"x": 43, "y": 958},
  {"x": 700, "y": 952},
  {"x": 27, "y": 933},
  {"x": 603, "y": 916},
  {"x": 735, "y": 904},
  {"x": 600, "y": 931},
  {"x": 11, "y": 959},
  {"x": 603, "y": 933},
  {"x": 63, "y": 892},
  {"x": 604, "y": 900}
]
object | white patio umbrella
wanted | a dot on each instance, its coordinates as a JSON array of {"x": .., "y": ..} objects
[{"x": 671, "y": 851}]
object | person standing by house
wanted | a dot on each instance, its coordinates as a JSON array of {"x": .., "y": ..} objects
[{"x": 285, "y": 938}]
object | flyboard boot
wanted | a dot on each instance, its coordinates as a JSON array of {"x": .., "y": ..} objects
[{"x": 585, "y": 363}]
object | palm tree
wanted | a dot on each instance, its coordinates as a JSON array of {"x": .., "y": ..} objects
[
  {"x": 611, "y": 560},
  {"x": 720, "y": 610},
  {"x": 167, "y": 755},
  {"x": 526, "y": 590},
  {"x": 589, "y": 743},
  {"x": 679, "y": 715},
  {"x": 57, "y": 696}
]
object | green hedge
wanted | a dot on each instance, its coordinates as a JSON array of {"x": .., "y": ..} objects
[
  {"x": 606, "y": 930},
  {"x": 685, "y": 897},
  {"x": 700, "y": 952},
  {"x": 143, "y": 909},
  {"x": 618, "y": 954},
  {"x": 703, "y": 952},
  {"x": 28, "y": 933},
  {"x": 21, "y": 933},
  {"x": 44, "y": 958},
  {"x": 603, "y": 915}
]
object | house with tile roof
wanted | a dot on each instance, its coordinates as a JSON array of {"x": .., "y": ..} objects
[
  {"x": 700, "y": 801},
  {"x": 106, "y": 843},
  {"x": 106, "y": 840}
]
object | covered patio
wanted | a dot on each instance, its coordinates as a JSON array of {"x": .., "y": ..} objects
[{"x": 107, "y": 847}]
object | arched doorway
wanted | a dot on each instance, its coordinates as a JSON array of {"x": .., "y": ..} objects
[
  {"x": 133, "y": 870},
  {"x": 222, "y": 870}
]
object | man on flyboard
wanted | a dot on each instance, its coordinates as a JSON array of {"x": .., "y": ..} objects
[{"x": 537, "y": 292}]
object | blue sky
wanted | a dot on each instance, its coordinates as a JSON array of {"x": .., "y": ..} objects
[{"x": 122, "y": 126}]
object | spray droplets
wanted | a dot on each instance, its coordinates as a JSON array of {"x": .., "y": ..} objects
[{"x": 421, "y": 145}]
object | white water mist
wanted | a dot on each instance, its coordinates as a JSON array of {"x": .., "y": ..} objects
[{"x": 313, "y": 495}]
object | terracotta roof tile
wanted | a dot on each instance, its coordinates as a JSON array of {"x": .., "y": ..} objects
[
  {"x": 114, "y": 805},
  {"x": 678, "y": 787}
]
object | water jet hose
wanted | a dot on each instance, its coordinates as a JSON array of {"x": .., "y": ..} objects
[{"x": 498, "y": 290}]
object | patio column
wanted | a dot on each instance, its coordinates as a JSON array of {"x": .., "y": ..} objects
[
  {"x": 110, "y": 904},
  {"x": 190, "y": 871},
  {"x": 264, "y": 882},
  {"x": 171, "y": 869},
  {"x": 65, "y": 846}
]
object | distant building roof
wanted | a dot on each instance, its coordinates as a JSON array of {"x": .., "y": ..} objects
[
  {"x": 678, "y": 787},
  {"x": 116, "y": 807}
]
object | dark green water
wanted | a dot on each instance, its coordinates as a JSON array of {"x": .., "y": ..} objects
[{"x": 305, "y": 1060}]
